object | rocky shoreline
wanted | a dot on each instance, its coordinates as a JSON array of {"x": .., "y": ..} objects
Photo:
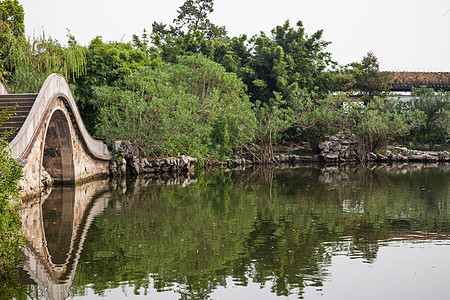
[
  {"x": 341, "y": 148},
  {"x": 337, "y": 149},
  {"x": 402, "y": 154},
  {"x": 127, "y": 160}
]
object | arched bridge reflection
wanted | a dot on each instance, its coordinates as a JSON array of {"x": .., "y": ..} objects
[
  {"x": 55, "y": 226},
  {"x": 57, "y": 223}
]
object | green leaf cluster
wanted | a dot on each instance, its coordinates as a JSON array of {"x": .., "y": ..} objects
[
  {"x": 11, "y": 26},
  {"x": 107, "y": 64},
  {"x": 10, "y": 222},
  {"x": 369, "y": 81},
  {"x": 193, "y": 107},
  {"x": 31, "y": 61},
  {"x": 381, "y": 121},
  {"x": 318, "y": 116},
  {"x": 26, "y": 63},
  {"x": 435, "y": 106},
  {"x": 286, "y": 60}
]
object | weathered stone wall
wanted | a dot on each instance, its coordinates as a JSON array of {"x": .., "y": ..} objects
[
  {"x": 339, "y": 148},
  {"x": 31, "y": 167},
  {"x": 342, "y": 148}
]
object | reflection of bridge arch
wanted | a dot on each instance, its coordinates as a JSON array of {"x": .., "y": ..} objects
[
  {"x": 50, "y": 131},
  {"x": 56, "y": 227}
]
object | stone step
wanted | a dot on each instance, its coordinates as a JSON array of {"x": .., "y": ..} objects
[
  {"x": 10, "y": 126},
  {"x": 16, "y": 118},
  {"x": 19, "y": 111},
  {"x": 16, "y": 105},
  {"x": 19, "y": 99},
  {"x": 7, "y": 98},
  {"x": 19, "y": 96},
  {"x": 20, "y": 106}
]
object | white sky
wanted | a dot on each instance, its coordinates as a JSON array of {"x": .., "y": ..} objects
[{"x": 405, "y": 35}]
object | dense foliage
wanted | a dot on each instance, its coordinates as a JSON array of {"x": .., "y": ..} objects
[
  {"x": 382, "y": 121},
  {"x": 318, "y": 116},
  {"x": 273, "y": 118},
  {"x": 25, "y": 63},
  {"x": 106, "y": 65},
  {"x": 31, "y": 61},
  {"x": 368, "y": 80},
  {"x": 285, "y": 61},
  {"x": 435, "y": 107},
  {"x": 10, "y": 224},
  {"x": 11, "y": 26},
  {"x": 193, "y": 107}
]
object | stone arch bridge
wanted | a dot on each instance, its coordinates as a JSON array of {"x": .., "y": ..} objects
[{"x": 50, "y": 137}]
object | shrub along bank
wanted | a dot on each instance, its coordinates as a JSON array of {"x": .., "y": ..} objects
[{"x": 10, "y": 223}]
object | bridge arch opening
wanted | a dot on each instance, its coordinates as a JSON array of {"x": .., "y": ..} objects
[{"x": 58, "y": 151}]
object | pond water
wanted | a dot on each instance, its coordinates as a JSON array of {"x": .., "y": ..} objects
[{"x": 307, "y": 232}]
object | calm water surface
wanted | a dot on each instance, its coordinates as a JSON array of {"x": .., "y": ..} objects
[{"x": 313, "y": 233}]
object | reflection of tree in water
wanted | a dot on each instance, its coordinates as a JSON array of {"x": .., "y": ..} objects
[
  {"x": 278, "y": 253},
  {"x": 278, "y": 228}
]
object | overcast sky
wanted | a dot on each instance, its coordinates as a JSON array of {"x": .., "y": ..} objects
[{"x": 411, "y": 35}]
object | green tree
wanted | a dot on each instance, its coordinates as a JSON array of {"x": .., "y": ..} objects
[
  {"x": 192, "y": 33},
  {"x": 318, "y": 116},
  {"x": 10, "y": 223},
  {"x": 26, "y": 63},
  {"x": 381, "y": 121},
  {"x": 31, "y": 61},
  {"x": 287, "y": 60},
  {"x": 435, "y": 106},
  {"x": 193, "y": 16},
  {"x": 193, "y": 107},
  {"x": 273, "y": 118},
  {"x": 369, "y": 80},
  {"x": 107, "y": 64},
  {"x": 11, "y": 25}
]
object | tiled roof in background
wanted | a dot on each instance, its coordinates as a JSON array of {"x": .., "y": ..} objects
[{"x": 403, "y": 81}]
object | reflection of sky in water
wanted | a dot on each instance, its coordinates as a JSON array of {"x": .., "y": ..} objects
[{"x": 402, "y": 270}]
